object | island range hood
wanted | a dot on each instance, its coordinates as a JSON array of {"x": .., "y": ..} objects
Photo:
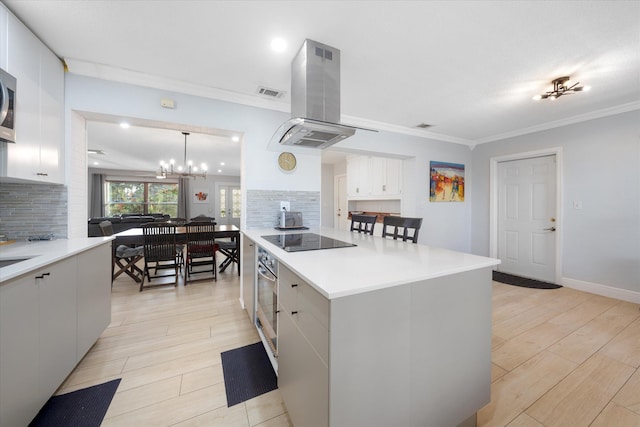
[{"x": 315, "y": 99}]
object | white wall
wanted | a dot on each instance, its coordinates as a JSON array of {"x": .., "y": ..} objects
[
  {"x": 259, "y": 165},
  {"x": 601, "y": 165},
  {"x": 445, "y": 225}
]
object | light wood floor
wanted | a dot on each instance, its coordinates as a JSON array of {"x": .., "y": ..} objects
[{"x": 560, "y": 358}]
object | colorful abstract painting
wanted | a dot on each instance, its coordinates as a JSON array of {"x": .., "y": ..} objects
[{"x": 447, "y": 182}]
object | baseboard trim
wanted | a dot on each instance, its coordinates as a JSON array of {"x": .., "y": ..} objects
[{"x": 604, "y": 290}]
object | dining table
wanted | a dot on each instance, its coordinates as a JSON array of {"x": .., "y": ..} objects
[{"x": 135, "y": 237}]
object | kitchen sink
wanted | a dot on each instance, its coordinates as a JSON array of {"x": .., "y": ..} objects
[{"x": 11, "y": 261}]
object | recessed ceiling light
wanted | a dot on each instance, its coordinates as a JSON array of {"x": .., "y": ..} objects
[
  {"x": 219, "y": 170},
  {"x": 125, "y": 125},
  {"x": 278, "y": 44},
  {"x": 96, "y": 163},
  {"x": 235, "y": 138},
  {"x": 221, "y": 163}
]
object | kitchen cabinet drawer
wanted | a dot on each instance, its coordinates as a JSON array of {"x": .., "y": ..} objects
[{"x": 308, "y": 309}]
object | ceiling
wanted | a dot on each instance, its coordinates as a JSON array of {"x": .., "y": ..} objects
[{"x": 467, "y": 68}]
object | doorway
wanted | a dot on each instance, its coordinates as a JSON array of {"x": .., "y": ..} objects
[
  {"x": 341, "y": 220},
  {"x": 525, "y": 214},
  {"x": 228, "y": 204}
]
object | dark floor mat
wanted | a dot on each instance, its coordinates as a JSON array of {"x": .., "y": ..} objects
[
  {"x": 85, "y": 407},
  {"x": 247, "y": 373},
  {"x": 510, "y": 279}
]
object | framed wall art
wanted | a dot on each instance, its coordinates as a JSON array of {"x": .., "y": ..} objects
[
  {"x": 446, "y": 182},
  {"x": 201, "y": 196}
]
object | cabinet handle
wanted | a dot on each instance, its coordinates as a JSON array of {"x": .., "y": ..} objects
[
  {"x": 294, "y": 285},
  {"x": 42, "y": 174},
  {"x": 294, "y": 312},
  {"x": 384, "y": 188},
  {"x": 42, "y": 275}
]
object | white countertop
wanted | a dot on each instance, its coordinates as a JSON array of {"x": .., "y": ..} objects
[
  {"x": 43, "y": 253},
  {"x": 375, "y": 263}
]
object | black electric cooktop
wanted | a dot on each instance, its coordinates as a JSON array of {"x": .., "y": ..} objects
[{"x": 297, "y": 242}]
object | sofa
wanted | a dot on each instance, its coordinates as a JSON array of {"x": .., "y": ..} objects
[{"x": 123, "y": 222}]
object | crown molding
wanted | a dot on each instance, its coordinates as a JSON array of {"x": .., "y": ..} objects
[
  {"x": 624, "y": 108},
  {"x": 106, "y": 72}
]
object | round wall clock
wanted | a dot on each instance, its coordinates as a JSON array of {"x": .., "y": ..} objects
[{"x": 287, "y": 161}]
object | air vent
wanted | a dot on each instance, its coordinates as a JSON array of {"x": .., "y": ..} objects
[
  {"x": 270, "y": 93},
  {"x": 423, "y": 125},
  {"x": 94, "y": 151}
]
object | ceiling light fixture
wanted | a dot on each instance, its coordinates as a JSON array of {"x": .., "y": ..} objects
[
  {"x": 185, "y": 170},
  {"x": 561, "y": 86}
]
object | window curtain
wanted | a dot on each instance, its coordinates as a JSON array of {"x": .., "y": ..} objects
[
  {"x": 96, "y": 208},
  {"x": 183, "y": 197}
]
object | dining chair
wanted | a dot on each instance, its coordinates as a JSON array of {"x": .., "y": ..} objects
[
  {"x": 363, "y": 223},
  {"x": 406, "y": 224},
  {"x": 159, "y": 252},
  {"x": 125, "y": 257},
  {"x": 229, "y": 249},
  {"x": 201, "y": 250}
]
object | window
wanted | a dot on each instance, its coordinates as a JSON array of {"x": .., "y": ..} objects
[{"x": 143, "y": 198}]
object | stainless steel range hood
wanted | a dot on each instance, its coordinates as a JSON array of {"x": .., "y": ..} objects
[{"x": 315, "y": 99}]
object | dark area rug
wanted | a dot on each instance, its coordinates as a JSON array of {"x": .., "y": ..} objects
[
  {"x": 85, "y": 407},
  {"x": 247, "y": 373},
  {"x": 510, "y": 279}
]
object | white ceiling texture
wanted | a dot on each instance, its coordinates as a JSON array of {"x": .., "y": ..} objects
[{"x": 467, "y": 68}]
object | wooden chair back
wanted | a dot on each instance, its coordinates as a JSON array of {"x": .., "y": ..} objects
[
  {"x": 401, "y": 227},
  {"x": 363, "y": 223}
]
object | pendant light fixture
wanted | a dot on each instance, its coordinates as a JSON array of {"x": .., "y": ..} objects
[
  {"x": 561, "y": 86},
  {"x": 187, "y": 169}
]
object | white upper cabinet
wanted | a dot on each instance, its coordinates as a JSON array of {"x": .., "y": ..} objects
[
  {"x": 38, "y": 153},
  {"x": 373, "y": 178}
]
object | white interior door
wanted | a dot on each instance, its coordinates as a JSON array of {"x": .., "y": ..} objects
[
  {"x": 229, "y": 204},
  {"x": 342, "y": 210},
  {"x": 527, "y": 217}
]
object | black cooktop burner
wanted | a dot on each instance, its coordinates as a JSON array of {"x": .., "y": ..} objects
[{"x": 297, "y": 242}]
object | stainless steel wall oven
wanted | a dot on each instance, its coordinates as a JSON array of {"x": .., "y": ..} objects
[{"x": 267, "y": 303}]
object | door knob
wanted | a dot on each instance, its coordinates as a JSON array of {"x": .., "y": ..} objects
[{"x": 550, "y": 229}]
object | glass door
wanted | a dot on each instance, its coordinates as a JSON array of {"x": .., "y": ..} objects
[{"x": 229, "y": 205}]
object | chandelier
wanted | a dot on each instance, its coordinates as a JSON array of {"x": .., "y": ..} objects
[
  {"x": 561, "y": 86},
  {"x": 187, "y": 169}
]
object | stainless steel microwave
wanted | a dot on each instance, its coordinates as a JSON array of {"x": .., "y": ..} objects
[{"x": 8, "y": 85}]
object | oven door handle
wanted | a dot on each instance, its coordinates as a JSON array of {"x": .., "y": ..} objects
[{"x": 261, "y": 273}]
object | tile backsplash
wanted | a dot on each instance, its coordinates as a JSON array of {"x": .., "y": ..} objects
[
  {"x": 263, "y": 207},
  {"x": 32, "y": 209}
]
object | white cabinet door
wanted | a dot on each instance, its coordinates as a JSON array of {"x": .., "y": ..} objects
[
  {"x": 19, "y": 324},
  {"x": 373, "y": 178},
  {"x": 58, "y": 324},
  {"x": 359, "y": 182},
  {"x": 38, "y": 152},
  {"x": 51, "y": 117},
  {"x": 393, "y": 174},
  {"x": 303, "y": 378},
  {"x": 4, "y": 38},
  {"x": 94, "y": 296}
]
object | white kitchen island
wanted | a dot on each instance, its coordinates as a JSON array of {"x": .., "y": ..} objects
[{"x": 385, "y": 333}]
